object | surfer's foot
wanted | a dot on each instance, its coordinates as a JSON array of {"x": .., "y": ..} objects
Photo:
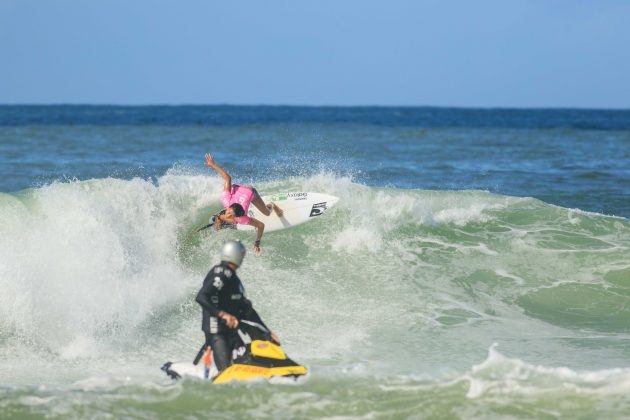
[{"x": 279, "y": 212}]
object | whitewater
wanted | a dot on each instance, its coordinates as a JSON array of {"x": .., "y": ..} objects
[{"x": 469, "y": 300}]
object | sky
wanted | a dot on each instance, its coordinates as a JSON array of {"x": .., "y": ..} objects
[{"x": 483, "y": 53}]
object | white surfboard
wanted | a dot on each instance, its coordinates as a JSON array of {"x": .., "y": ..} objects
[{"x": 298, "y": 207}]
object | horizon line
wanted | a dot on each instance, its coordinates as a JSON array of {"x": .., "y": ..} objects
[{"x": 259, "y": 105}]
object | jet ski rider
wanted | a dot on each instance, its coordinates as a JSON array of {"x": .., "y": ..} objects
[{"x": 222, "y": 298}]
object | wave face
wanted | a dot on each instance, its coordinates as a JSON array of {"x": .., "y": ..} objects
[{"x": 401, "y": 302}]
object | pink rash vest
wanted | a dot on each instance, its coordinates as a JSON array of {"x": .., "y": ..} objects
[{"x": 241, "y": 195}]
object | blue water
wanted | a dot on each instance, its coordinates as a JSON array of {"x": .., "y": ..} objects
[
  {"x": 573, "y": 158},
  {"x": 476, "y": 265}
]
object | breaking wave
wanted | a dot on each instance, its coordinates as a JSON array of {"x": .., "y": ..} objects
[{"x": 410, "y": 287}]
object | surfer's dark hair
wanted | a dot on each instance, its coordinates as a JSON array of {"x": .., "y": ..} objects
[{"x": 238, "y": 210}]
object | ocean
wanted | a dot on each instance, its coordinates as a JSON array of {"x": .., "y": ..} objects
[{"x": 477, "y": 264}]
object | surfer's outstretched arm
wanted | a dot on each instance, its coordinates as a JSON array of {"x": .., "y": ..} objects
[
  {"x": 228, "y": 180},
  {"x": 260, "y": 228}
]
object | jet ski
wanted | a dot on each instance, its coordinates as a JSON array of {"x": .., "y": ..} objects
[{"x": 254, "y": 356}]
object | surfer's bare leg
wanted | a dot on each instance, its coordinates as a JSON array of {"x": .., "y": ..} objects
[{"x": 265, "y": 208}]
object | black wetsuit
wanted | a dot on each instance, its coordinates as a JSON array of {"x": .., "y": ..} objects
[{"x": 223, "y": 291}]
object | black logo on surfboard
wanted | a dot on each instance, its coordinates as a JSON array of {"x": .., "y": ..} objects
[{"x": 317, "y": 209}]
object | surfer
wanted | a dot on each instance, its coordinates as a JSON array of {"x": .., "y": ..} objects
[
  {"x": 236, "y": 200},
  {"x": 223, "y": 303}
]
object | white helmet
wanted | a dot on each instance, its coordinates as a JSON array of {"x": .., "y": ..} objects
[{"x": 234, "y": 252}]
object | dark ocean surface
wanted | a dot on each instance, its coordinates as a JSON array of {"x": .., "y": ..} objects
[{"x": 573, "y": 158}]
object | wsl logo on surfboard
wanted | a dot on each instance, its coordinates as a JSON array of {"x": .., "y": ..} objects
[{"x": 317, "y": 209}]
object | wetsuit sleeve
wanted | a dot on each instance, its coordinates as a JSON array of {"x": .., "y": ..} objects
[
  {"x": 250, "y": 314},
  {"x": 206, "y": 295}
]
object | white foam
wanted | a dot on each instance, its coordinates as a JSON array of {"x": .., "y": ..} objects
[
  {"x": 500, "y": 375},
  {"x": 91, "y": 258},
  {"x": 80, "y": 346},
  {"x": 354, "y": 239},
  {"x": 503, "y": 273}
]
